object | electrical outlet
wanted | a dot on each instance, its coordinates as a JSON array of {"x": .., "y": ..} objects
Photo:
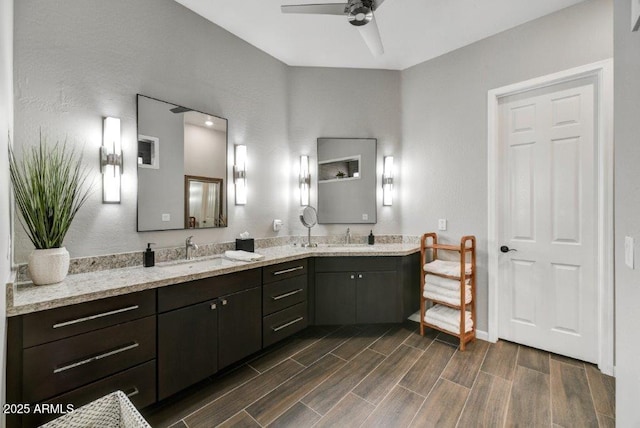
[
  {"x": 277, "y": 225},
  {"x": 166, "y": 217},
  {"x": 365, "y": 216},
  {"x": 628, "y": 251},
  {"x": 442, "y": 224}
]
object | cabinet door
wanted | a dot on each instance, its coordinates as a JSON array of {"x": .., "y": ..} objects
[
  {"x": 240, "y": 325},
  {"x": 378, "y": 298},
  {"x": 187, "y": 346},
  {"x": 335, "y": 298}
]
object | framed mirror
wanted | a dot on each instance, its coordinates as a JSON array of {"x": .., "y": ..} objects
[
  {"x": 182, "y": 156},
  {"x": 347, "y": 180},
  {"x": 203, "y": 202}
]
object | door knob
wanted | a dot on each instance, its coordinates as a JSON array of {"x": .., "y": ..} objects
[
  {"x": 224, "y": 302},
  {"x": 214, "y": 306},
  {"x": 506, "y": 249}
]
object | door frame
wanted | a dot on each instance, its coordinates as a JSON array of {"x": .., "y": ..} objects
[{"x": 602, "y": 71}]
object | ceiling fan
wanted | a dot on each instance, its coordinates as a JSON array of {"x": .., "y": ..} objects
[{"x": 358, "y": 12}]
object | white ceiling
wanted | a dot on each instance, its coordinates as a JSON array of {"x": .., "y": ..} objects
[{"x": 412, "y": 31}]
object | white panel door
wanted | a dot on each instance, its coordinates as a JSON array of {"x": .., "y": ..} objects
[{"x": 547, "y": 286}]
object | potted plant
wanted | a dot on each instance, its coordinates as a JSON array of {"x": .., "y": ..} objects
[{"x": 49, "y": 185}]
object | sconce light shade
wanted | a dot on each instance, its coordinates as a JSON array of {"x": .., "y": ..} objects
[
  {"x": 111, "y": 161},
  {"x": 305, "y": 180},
  {"x": 387, "y": 181},
  {"x": 240, "y": 174}
]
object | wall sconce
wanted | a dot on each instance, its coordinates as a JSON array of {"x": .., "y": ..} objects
[
  {"x": 111, "y": 161},
  {"x": 305, "y": 180},
  {"x": 240, "y": 174},
  {"x": 387, "y": 181}
]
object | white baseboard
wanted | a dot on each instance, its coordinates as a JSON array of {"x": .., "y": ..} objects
[
  {"x": 482, "y": 335},
  {"x": 608, "y": 370}
]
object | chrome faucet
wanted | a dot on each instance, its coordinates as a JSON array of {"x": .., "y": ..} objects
[
  {"x": 190, "y": 245},
  {"x": 347, "y": 237}
]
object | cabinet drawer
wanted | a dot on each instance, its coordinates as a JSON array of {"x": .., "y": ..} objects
[
  {"x": 54, "y": 324},
  {"x": 66, "y": 364},
  {"x": 201, "y": 290},
  {"x": 138, "y": 383},
  {"x": 356, "y": 264},
  {"x": 282, "y": 294},
  {"x": 277, "y": 326},
  {"x": 284, "y": 270}
]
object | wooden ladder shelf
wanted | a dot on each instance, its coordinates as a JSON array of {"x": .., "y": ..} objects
[{"x": 429, "y": 248}]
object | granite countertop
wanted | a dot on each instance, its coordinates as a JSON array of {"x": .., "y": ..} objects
[{"x": 23, "y": 298}]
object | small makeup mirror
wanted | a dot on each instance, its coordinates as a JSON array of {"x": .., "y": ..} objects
[{"x": 309, "y": 218}]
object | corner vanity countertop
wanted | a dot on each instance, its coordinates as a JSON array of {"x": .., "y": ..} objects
[{"x": 24, "y": 298}]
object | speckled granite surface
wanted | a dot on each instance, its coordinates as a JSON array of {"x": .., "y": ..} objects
[
  {"x": 132, "y": 259},
  {"x": 24, "y": 297}
]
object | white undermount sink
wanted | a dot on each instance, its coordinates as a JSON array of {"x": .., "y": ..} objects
[
  {"x": 347, "y": 245},
  {"x": 210, "y": 260}
]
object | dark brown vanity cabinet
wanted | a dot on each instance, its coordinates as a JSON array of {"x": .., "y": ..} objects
[
  {"x": 77, "y": 353},
  {"x": 364, "y": 290},
  {"x": 284, "y": 300},
  {"x": 206, "y": 325}
]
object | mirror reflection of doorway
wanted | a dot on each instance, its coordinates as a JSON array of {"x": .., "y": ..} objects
[{"x": 203, "y": 202}]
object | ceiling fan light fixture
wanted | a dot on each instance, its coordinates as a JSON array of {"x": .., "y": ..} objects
[{"x": 359, "y": 13}]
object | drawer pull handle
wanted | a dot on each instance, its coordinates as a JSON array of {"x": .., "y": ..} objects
[
  {"x": 291, "y": 293},
  {"x": 96, "y": 316},
  {"x": 95, "y": 358},
  {"x": 280, "y": 272},
  {"x": 287, "y": 324},
  {"x": 133, "y": 391}
]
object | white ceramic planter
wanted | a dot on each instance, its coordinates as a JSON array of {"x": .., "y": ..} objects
[{"x": 48, "y": 266}]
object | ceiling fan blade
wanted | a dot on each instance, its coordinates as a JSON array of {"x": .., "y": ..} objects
[
  {"x": 376, "y": 4},
  {"x": 321, "y": 9},
  {"x": 371, "y": 36}
]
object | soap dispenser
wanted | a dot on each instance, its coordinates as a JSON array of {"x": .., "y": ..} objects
[
  {"x": 372, "y": 239},
  {"x": 149, "y": 256}
]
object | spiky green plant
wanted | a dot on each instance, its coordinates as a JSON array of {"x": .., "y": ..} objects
[{"x": 50, "y": 185}]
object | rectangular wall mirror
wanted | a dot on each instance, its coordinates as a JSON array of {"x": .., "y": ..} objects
[
  {"x": 346, "y": 180},
  {"x": 182, "y": 167}
]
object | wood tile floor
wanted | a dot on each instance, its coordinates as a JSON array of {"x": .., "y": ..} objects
[{"x": 390, "y": 376}]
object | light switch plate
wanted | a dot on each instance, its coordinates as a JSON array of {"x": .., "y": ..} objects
[
  {"x": 628, "y": 251},
  {"x": 442, "y": 224},
  {"x": 166, "y": 217}
]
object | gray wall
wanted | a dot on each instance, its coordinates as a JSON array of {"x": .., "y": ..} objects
[
  {"x": 444, "y": 118},
  {"x": 76, "y": 62},
  {"x": 6, "y": 127},
  {"x": 627, "y": 213},
  {"x": 330, "y": 102}
]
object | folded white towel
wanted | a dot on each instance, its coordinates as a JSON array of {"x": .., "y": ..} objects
[
  {"x": 244, "y": 256},
  {"x": 448, "y": 318},
  {"x": 450, "y": 284},
  {"x": 448, "y": 327},
  {"x": 445, "y": 295},
  {"x": 447, "y": 314},
  {"x": 444, "y": 267}
]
